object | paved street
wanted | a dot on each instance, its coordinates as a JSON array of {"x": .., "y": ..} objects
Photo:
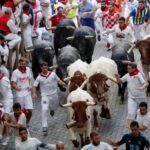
[{"x": 113, "y": 128}]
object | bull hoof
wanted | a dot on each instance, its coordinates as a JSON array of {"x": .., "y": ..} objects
[{"x": 75, "y": 143}]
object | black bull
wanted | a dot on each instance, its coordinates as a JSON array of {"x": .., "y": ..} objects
[
  {"x": 64, "y": 29},
  {"x": 84, "y": 40},
  {"x": 119, "y": 53},
  {"x": 67, "y": 56},
  {"x": 42, "y": 53}
]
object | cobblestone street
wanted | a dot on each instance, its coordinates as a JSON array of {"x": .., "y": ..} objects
[{"x": 113, "y": 128}]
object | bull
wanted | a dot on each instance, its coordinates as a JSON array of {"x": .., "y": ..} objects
[
  {"x": 64, "y": 29},
  {"x": 99, "y": 82},
  {"x": 77, "y": 74},
  {"x": 79, "y": 104},
  {"x": 122, "y": 58},
  {"x": 43, "y": 52},
  {"x": 84, "y": 40}
]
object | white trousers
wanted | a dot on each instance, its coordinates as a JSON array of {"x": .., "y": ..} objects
[
  {"x": 7, "y": 103},
  {"x": 14, "y": 39},
  {"x": 48, "y": 103},
  {"x": 37, "y": 20},
  {"x": 139, "y": 31},
  {"x": 109, "y": 39},
  {"x": 133, "y": 105}
]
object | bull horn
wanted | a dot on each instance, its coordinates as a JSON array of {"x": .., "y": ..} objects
[
  {"x": 131, "y": 49},
  {"x": 70, "y": 27},
  {"x": 66, "y": 105},
  {"x": 51, "y": 28},
  {"x": 70, "y": 38},
  {"x": 90, "y": 103},
  {"x": 67, "y": 78},
  {"x": 127, "y": 62},
  {"x": 112, "y": 79},
  {"x": 89, "y": 36},
  {"x": 53, "y": 67},
  {"x": 70, "y": 124},
  {"x": 84, "y": 83}
]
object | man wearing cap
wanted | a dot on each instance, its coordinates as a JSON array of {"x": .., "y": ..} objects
[{"x": 22, "y": 86}]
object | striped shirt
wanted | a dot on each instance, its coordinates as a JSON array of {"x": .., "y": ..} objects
[{"x": 139, "y": 16}]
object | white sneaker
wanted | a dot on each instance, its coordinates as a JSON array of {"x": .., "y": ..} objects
[{"x": 5, "y": 142}]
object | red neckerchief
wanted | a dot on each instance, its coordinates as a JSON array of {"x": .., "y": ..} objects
[
  {"x": 123, "y": 28},
  {"x": 25, "y": 12},
  {"x": 22, "y": 69},
  {"x": 134, "y": 72},
  {"x": 17, "y": 116},
  {"x": 1, "y": 77},
  {"x": 46, "y": 76}
]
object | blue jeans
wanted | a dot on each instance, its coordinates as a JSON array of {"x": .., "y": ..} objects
[{"x": 87, "y": 22}]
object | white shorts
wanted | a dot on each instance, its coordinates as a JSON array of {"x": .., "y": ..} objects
[{"x": 25, "y": 102}]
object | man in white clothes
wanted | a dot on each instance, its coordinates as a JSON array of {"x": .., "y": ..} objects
[
  {"x": 96, "y": 144},
  {"x": 121, "y": 33},
  {"x": 143, "y": 119},
  {"x": 6, "y": 93},
  {"x": 29, "y": 143},
  {"x": 137, "y": 87},
  {"x": 22, "y": 85},
  {"x": 48, "y": 82}
]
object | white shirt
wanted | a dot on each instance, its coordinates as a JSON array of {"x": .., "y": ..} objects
[
  {"x": 32, "y": 144},
  {"x": 46, "y": 10},
  {"x": 134, "y": 82},
  {"x": 12, "y": 26},
  {"x": 101, "y": 146},
  {"x": 132, "y": 5},
  {"x": 127, "y": 34},
  {"x": 5, "y": 89},
  {"x": 21, "y": 120},
  {"x": 23, "y": 81},
  {"x": 48, "y": 85},
  {"x": 143, "y": 120},
  {"x": 28, "y": 27}
]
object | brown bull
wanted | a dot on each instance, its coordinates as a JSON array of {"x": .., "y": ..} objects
[{"x": 99, "y": 88}]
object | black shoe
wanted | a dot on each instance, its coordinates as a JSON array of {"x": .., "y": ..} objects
[
  {"x": 52, "y": 112},
  {"x": 109, "y": 49},
  {"x": 99, "y": 38}
]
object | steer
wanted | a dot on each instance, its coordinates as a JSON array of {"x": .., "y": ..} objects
[
  {"x": 99, "y": 86},
  {"x": 77, "y": 74},
  {"x": 79, "y": 104}
]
